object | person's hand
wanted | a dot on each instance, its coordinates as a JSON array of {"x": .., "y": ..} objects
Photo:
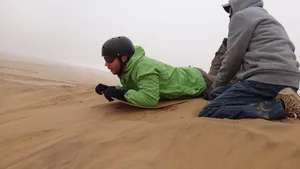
[
  {"x": 100, "y": 88},
  {"x": 113, "y": 92}
]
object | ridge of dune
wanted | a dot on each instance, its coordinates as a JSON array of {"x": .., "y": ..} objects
[
  {"x": 50, "y": 120},
  {"x": 52, "y": 71}
]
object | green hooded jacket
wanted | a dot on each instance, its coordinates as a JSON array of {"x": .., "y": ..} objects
[{"x": 148, "y": 80}]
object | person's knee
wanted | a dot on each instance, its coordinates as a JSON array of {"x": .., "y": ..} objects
[
  {"x": 208, "y": 110},
  {"x": 204, "y": 112}
]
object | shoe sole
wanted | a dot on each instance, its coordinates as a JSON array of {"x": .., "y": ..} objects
[{"x": 290, "y": 99}]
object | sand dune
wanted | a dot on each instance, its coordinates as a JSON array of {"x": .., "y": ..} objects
[{"x": 50, "y": 117}]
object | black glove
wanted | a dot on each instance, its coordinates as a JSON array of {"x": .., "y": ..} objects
[
  {"x": 114, "y": 92},
  {"x": 100, "y": 88}
]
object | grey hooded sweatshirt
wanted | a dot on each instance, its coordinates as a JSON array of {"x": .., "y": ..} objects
[{"x": 258, "y": 48}]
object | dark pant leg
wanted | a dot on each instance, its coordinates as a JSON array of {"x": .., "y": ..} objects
[
  {"x": 209, "y": 79},
  {"x": 247, "y": 99}
]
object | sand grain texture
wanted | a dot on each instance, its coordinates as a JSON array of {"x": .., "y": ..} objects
[{"x": 51, "y": 118}]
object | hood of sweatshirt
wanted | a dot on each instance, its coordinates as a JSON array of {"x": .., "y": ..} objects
[{"x": 238, "y": 5}]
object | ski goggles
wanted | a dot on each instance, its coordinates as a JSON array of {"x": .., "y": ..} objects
[{"x": 109, "y": 59}]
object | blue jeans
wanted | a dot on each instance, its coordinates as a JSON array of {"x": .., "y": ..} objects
[
  {"x": 216, "y": 92},
  {"x": 245, "y": 99}
]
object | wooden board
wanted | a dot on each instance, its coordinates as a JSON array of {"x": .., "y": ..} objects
[{"x": 161, "y": 104}]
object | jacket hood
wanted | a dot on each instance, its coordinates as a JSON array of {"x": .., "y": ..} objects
[
  {"x": 139, "y": 52},
  {"x": 238, "y": 5}
]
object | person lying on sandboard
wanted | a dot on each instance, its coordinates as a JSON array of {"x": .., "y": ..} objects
[{"x": 146, "y": 81}]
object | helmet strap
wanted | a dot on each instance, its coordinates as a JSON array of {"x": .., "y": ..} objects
[{"x": 122, "y": 65}]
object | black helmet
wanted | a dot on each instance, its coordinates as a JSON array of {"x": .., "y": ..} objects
[{"x": 117, "y": 47}]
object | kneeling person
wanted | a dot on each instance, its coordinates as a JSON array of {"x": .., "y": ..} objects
[{"x": 145, "y": 81}]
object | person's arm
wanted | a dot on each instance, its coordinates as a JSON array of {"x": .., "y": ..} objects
[
  {"x": 148, "y": 93},
  {"x": 217, "y": 60},
  {"x": 239, "y": 37}
]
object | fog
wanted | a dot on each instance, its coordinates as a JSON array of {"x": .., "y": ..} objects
[{"x": 179, "y": 33}]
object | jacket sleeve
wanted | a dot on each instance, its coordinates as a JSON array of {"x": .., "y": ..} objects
[
  {"x": 148, "y": 93},
  {"x": 120, "y": 87},
  {"x": 239, "y": 37}
]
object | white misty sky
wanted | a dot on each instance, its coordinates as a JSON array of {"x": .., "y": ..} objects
[{"x": 179, "y": 33}]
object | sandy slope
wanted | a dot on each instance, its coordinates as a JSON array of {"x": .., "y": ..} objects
[{"x": 50, "y": 117}]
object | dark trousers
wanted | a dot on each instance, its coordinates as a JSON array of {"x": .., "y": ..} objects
[{"x": 245, "y": 99}]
